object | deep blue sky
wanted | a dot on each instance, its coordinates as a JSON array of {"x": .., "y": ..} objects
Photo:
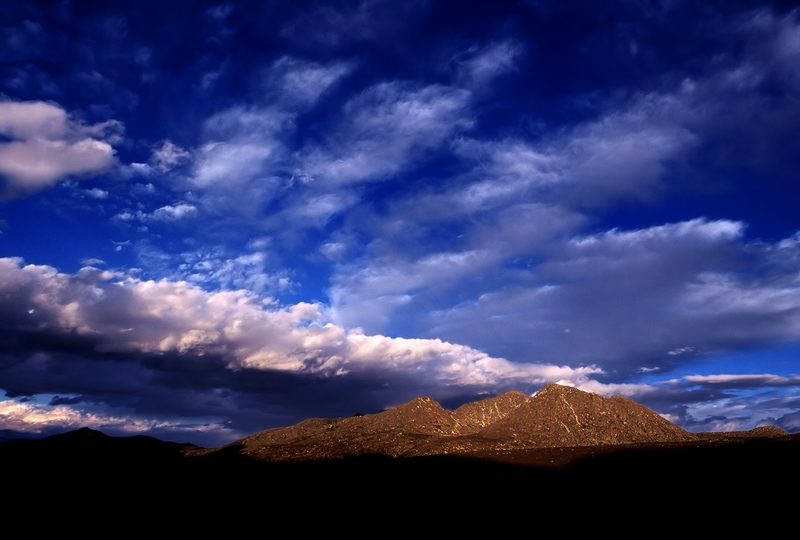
[{"x": 222, "y": 217}]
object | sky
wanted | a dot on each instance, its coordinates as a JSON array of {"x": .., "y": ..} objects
[{"x": 218, "y": 218}]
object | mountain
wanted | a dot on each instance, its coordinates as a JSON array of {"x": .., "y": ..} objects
[
  {"x": 562, "y": 455},
  {"x": 479, "y": 414},
  {"x": 394, "y": 433},
  {"x": 87, "y": 444},
  {"x": 556, "y": 417},
  {"x": 85, "y": 453},
  {"x": 559, "y": 416}
]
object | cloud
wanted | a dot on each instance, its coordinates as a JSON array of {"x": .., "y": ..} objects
[
  {"x": 126, "y": 314},
  {"x": 546, "y": 285},
  {"x": 97, "y": 193},
  {"x": 733, "y": 402},
  {"x": 621, "y": 300},
  {"x": 165, "y": 214},
  {"x": 742, "y": 381},
  {"x": 46, "y": 145},
  {"x": 222, "y": 165},
  {"x": 790, "y": 422},
  {"x": 633, "y": 148},
  {"x": 167, "y": 156},
  {"x": 28, "y": 120},
  {"x": 429, "y": 207},
  {"x": 371, "y": 293},
  {"x": 220, "y": 12},
  {"x": 245, "y": 162},
  {"x": 316, "y": 210},
  {"x": 248, "y": 271},
  {"x": 174, "y": 212},
  {"x": 29, "y": 418},
  {"x": 481, "y": 66},
  {"x": 301, "y": 84},
  {"x": 621, "y": 156},
  {"x": 383, "y": 129},
  {"x": 774, "y": 44},
  {"x": 171, "y": 346},
  {"x": 241, "y": 140}
]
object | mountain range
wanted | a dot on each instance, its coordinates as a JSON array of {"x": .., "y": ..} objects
[
  {"x": 555, "y": 417},
  {"x": 559, "y": 450}
]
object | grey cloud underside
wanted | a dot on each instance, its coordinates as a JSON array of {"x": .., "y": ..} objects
[
  {"x": 620, "y": 300},
  {"x": 171, "y": 348}
]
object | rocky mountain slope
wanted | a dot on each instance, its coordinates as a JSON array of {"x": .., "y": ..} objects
[
  {"x": 562, "y": 455},
  {"x": 556, "y": 417}
]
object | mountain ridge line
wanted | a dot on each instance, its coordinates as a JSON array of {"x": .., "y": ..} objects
[{"x": 557, "y": 416}]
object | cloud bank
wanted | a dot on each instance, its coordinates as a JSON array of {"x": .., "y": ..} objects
[{"x": 165, "y": 339}]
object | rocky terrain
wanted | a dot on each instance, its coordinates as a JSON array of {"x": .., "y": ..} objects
[
  {"x": 562, "y": 456},
  {"x": 557, "y": 417}
]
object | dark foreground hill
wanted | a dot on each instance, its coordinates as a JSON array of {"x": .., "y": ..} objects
[{"x": 563, "y": 456}]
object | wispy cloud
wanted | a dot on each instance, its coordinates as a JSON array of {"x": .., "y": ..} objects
[
  {"x": 167, "y": 156},
  {"x": 384, "y": 129},
  {"x": 480, "y": 66},
  {"x": 620, "y": 298},
  {"x": 168, "y": 213}
]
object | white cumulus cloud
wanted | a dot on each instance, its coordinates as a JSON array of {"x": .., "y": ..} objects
[
  {"x": 127, "y": 314},
  {"x": 46, "y": 145}
]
